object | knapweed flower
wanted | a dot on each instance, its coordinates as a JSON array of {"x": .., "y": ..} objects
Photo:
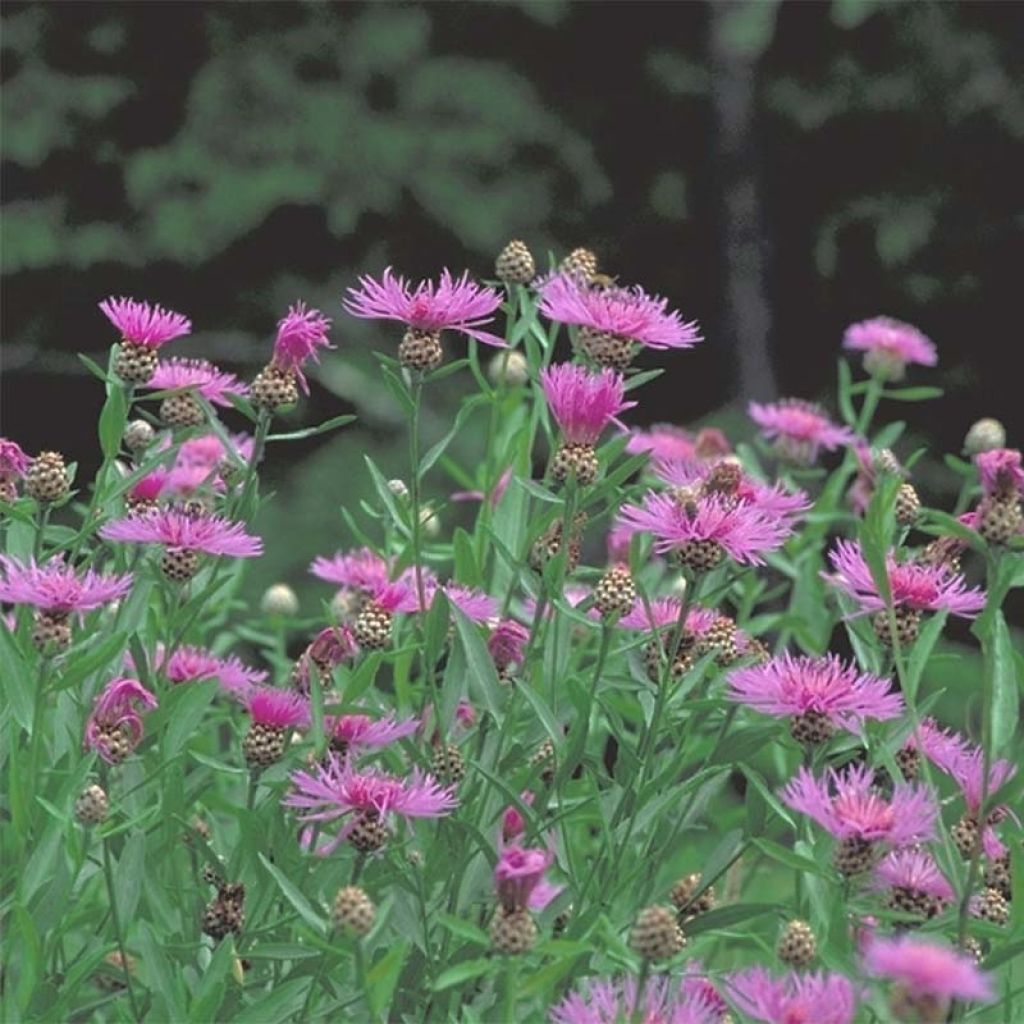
[
  {"x": 613, "y": 321},
  {"x": 372, "y": 627},
  {"x": 114, "y": 729},
  {"x": 512, "y": 822},
  {"x": 999, "y": 517},
  {"x": 352, "y": 733},
  {"x": 703, "y": 529},
  {"x": 888, "y": 346},
  {"x": 188, "y": 378},
  {"x": 968, "y": 771},
  {"x": 665, "y": 441},
  {"x": 818, "y": 695},
  {"x": 465, "y": 714},
  {"x": 273, "y": 713},
  {"x": 183, "y": 537},
  {"x": 368, "y": 798},
  {"x": 848, "y": 806},
  {"x": 941, "y": 747},
  {"x": 144, "y": 328},
  {"x": 583, "y": 404},
  {"x": 57, "y": 591},
  {"x": 300, "y": 334},
  {"x": 519, "y": 878},
  {"x": 815, "y": 998},
  {"x": 916, "y": 587},
  {"x": 330, "y": 647},
  {"x": 361, "y": 570},
  {"x": 451, "y": 304},
  {"x": 208, "y": 450},
  {"x": 870, "y": 464},
  {"x": 189, "y": 664},
  {"x": 144, "y": 495},
  {"x": 14, "y": 464},
  {"x": 506, "y": 645},
  {"x": 913, "y": 882},
  {"x": 798, "y": 429},
  {"x": 476, "y": 606},
  {"x": 927, "y": 976},
  {"x": 612, "y": 1001},
  {"x": 1000, "y": 471}
]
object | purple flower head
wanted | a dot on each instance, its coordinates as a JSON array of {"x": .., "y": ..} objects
[
  {"x": 788, "y": 685},
  {"x": 455, "y": 304},
  {"x": 299, "y": 334},
  {"x": 889, "y": 345},
  {"x": 915, "y": 870},
  {"x": 665, "y": 441},
  {"x": 278, "y": 709},
  {"x": 1000, "y": 471},
  {"x": 330, "y": 647},
  {"x": 56, "y": 587},
  {"x": 968, "y": 770},
  {"x": 178, "y": 531},
  {"x": 336, "y": 789},
  {"x": 507, "y": 643},
  {"x": 362, "y": 569},
  {"x": 151, "y": 486},
  {"x": 913, "y": 584},
  {"x": 512, "y": 822},
  {"x": 847, "y": 805},
  {"x": 583, "y": 402},
  {"x": 941, "y": 746},
  {"x": 799, "y": 429},
  {"x": 143, "y": 324},
  {"x": 624, "y": 312},
  {"x": 114, "y": 729},
  {"x": 186, "y": 480},
  {"x": 199, "y": 376},
  {"x": 398, "y": 596},
  {"x": 926, "y": 969},
  {"x": 194, "y": 664},
  {"x": 208, "y": 450},
  {"x": 793, "y": 998},
  {"x": 14, "y": 463},
  {"x": 519, "y": 878},
  {"x": 362, "y": 732},
  {"x": 612, "y": 1001},
  {"x": 477, "y": 607}
]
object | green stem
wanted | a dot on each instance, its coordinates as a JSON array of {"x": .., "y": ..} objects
[
  {"x": 44, "y": 519},
  {"x": 637, "y": 1016},
  {"x": 108, "y": 874},
  {"x": 259, "y": 443},
  {"x": 508, "y": 1014},
  {"x": 870, "y": 406}
]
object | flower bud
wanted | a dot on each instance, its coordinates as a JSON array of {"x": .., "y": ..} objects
[
  {"x": 279, "y": 599},
  {"x": 984, "y": 436}
]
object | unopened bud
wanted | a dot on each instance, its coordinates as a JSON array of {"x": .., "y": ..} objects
[
  {"x": 138, "y": 435},
  {"x": 509, "y": 367},
  {"x": 985, "y": 436},
  {"x": 399, "y": 489},
  {"x": 279, "y": 599}
]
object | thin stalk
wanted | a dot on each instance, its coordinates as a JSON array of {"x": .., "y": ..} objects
[
  {"x": 869, "y": 406},
  {"x": 108, "y": 874},
  {"x": 44, "y": 519},
  {"x": 637, "y": 1016},
  {"x": 259, "y": 443},
  {"x": 508, "y": 1014}
]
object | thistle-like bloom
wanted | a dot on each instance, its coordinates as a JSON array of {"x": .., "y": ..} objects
[
  {"x": 889, "y": 345},
  {"x": 665, "y": 441},
  {"x": 337, "y": 790},
  {"x": 277, "y": 709},
  {"x": 1001, "y": 472},
  {"x": 362, "y": 569},
  {"x": 664, "y": 613},
  {"x": 143, "y": 324},
  {"x": 455, "y": 304},
  {"x": 360, "y": 732},
  {"x": 791, "y": 686},
  {"x": 198, "y": 376},
  {"x": 147, "y": 490},
  {"x": 477, "y": 607},
  {"x": 507, "y": 644},
  {"x": 611, "y": 1001},
  {"x": 847, "y": 805},
  {"x": 299, "y": 335},
  {"x": 793, "y": 998},
  {"x": 57, "y": 588},
  {"x": 799, "y": 429},
  {"x": 915, "y": 871},
  {"x": 914, "y": 585},
  {"x": 968, "y": 771},
  {"x": 114, "y": 729},
  {"x": 519, "y": 878},
  {"x": 942, "y": 747},
  {"x": 194, "y": 664},
  {"x": 927, "y": 970},
  {"x": 178, "y": 531},
  {"x": 14, "y": 463},
  {"x": 208, "y": 450},
  {"x": 582, "y": 402}
]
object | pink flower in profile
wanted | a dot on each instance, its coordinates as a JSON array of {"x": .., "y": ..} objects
[
  {"x": 208, "y": 450},
  {"x": 178, "y": 531},
  {"x": 149, "y": 488},
  {"x": 14, "y": 463},
  {"x": 889, "y": 345},
  {"x": 507, "y": 643},
  {"x": 188, "y": 664},
  {"x": 665, "y": 441},
  {"x": 623, "y": 312},
  {"x": 58, "y": 588},
  {"x": 614, "y": 1001},
  {"x": 847, "y": 805},
  {"x": 455, "y": 304},
  {"x": 336, "y": 790},
  {"x": 360, "y": 732},
  {"x": 799, "y": 429},
  {"x": 941, "y": 746},
  {"x": 476, "y": 606},
  {"x": 277, "y": 709},
  {"x": 1001, "y": 472},
  {"x": 114, "y": 729},
  {"x": 914, "y": 585},
  {"x": 300, "y": 333},
  {"x": 143, "y": 324},
  {"x": 184, "y": 481},
  {"x": 362, "y": 569},
  {"x": 512, "y": 822},
  {"x": 925, "y": 969},
  {"x": 968, "y": 771},
  {"x": 914, "y": 870},
  {"x": 582, "y": 402},
  {"x": 519, "y": 878},
  {"x": 199, "y": 376},
  {"x": 664, "y": 616},
  {"x": 793, "y": 998},
  {"x": 742, "y": 531},
  {"x": 790, "y": 686},
  {"x": 396, "y": 597}
]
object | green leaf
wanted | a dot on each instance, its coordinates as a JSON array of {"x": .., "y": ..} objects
[
  {"x": 157, "y": 971},
  {"x": 297, "y": 435},
  {"x": 431, "y": 456},
  {"x": 185, "y": 707},
  {"x": 295, "y": 898},
  {"x": 1004, "y": 700},
  {"x": 210, "y": 993},
  {"x": 921, "y": 653},
  {"x": 112, "y": 420},
  {"x": 788, "y": 857},
  {"x": 465, "y": 971},
  {"x": 755, "y": 779},
  {"x": 383, "y": 976},
  {"x": 918, "y": 394},
  {"x": 845, "y": 401},
  {"x": 723, "y": 917},
  {"x": 284, "y": 1000},
  {"x": 483, "y": 677},
  {"x": 464, "y": 929},
  {"x": 130, "y": 874}
]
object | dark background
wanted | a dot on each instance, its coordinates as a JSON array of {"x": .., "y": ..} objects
[{"x": 776, "y": 170}]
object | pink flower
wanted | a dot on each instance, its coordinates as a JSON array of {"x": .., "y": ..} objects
[
  {"x": 507, "y": 643},
  {"x": 889, "y": 345},
  {"x": 793, "y": 998},
  {"x": 624, "y": 312},
  {"x": 186, "y": 480},
  {"x": 55, "y": 587},
  {"x": 869, "y": 464},
  {"x": 278, "y": 709},
  {"x": 208, "y": 450},
  {"x": 330, "y": 647},
  {"x": 399, "y": 596},
  {"x": 114, "y": 729},
  {"x": 465, "y": 714},
  {"x": 362, "y": 569},
  {"x": 335, "y": 789},
  {"x": 665, "y": 441},
  {"x": 199, "y": 376},
  {"x": 512, "y": 822},
  {"x": 299, "y": 334},
  {"x": 143, "y": 324},
  {"x": 14, "y": 463},
  {"x": 942, "y": 747},
  {"x": 799, "y": 429},
  {"x": 194, "y": 664},
  {"x": 178, "y": 531},
  {"x": 362, "y": 732},
  {"x": 926, "y": 969},
  {"x": 613, "y": 1001},
  {"x": 913, "y": 584},
  {"x": 915, "y": 870},
  {"x": 519, "y": 878},
  {"x": 451, "y": 304},
  {"x": 787, "y": 686},
  {"x": 151, "y": 486},
  {"x": 583, "y": 403},
  {"x": 1000, "y": 471},
  {"x": 847, "y": 805},
  {"x": 968, "y": 770},
  {"x": 742, "y": 531},
  {"x": 477, "y": 607}
]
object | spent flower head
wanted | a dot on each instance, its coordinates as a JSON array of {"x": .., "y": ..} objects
[
  {"x": 1001, "y": 472},
  {"x": 14, "y": 463},
  {"x": 114, "y": 729},
  {"x": 519, "y": 878}
]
